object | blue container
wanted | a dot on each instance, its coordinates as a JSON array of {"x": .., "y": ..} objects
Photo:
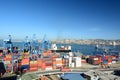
[
  {"x": 25, "y": 67},
  {"x": 105, "y": 62}
]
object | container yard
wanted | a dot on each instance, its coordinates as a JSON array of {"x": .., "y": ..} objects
[{"x": 48, "y": 58}]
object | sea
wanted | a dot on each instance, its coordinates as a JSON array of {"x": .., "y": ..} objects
[{"x": 81, "y": 48}]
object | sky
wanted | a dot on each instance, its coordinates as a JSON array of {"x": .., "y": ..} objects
[{"x": 63, "y": 19}]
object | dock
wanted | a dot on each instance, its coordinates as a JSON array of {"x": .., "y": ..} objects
[{"x": 100, "y": 75}]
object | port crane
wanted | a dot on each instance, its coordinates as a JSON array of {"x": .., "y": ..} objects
[
  {"x": 35, "y": 44},
  {"x": 35, "y": 50},
  {"x": 45, "y": 45},
  {"x": 26, "y": 45},
  {"x": 7, "y": 44}
]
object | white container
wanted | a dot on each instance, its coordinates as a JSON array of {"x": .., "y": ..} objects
[
  {"x": 58, "y": 59},
  {"x": 7, "y": 62},
  {"x": 95, "y": 58},
  {"x": 113, "y": 62},
  {"x": 59, "y": 64},
  {"x": 62, "y": 47},
  {"x": 70, "y": 54},
  {"x": 66, "y": 56},
  {"x": 73, "y": 64},
  {"x": 70, "y": 61},
  {"x": 48, "y": 68},
  {"x": 77, "y": 62},
  {"x": 69, "y": 47}
]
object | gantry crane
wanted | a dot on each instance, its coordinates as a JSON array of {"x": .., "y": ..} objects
[
  {"x": 45, "y": 45},
  {"x": 26, "y": 45},
  {"x": 35, "y": 44},
  {"x": 7, "y": 44}
]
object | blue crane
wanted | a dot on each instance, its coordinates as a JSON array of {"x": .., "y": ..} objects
[
  {"x": 45, "y": 44},
  {"x": 35, "y": 44},
  {"x": 7, "y": 44},
  {"x": 26, "y": 45}
]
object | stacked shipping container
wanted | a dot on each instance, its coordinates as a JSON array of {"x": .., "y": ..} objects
[{"x": 33, "y": 65}]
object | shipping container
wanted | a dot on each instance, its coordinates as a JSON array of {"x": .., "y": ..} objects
[
  {"x": 25, "y": 61},
  {"x": 95, "y": 60},
  {"x": 83, "y": 61},
  {"x": 48, "y": 68},
  {"x": 25, "y": 67},
  {"x": 40, "y": 63},
  {"x": 1, "y": 54},
  {"x": 77, "y": 61},
  {"x": 33, "y": 69},
  {"x": 7, "y": 59},
  {"x": 7, "y": 62},
  {"x": 73, "y": 64},
  {"x": 113, "y": 62},
  {"x": 65, "y": 69}
]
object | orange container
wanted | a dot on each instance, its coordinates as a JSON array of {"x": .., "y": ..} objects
[
  {"x": 25, "y": 61},
  {"x": 54, "y": 67},
  {"x": 7, "y": 59},
  {"x": 8, "y": 56},
  {"x": 54, "y": 62},
  {"x": 34, "y": 69},
  {"x": 39, "y": 63},
  {"x": 45, "y": 54},
  {"x": 58, "y": 62},
  {"x": 100, "y": 59},
  {"x": 63, "y": 60},
  {"x": 43, "y": 66},
  {"x": 1, "y": 54},
  {"x": 54, "y": 59},
  {"x": 33, "y": 65}
]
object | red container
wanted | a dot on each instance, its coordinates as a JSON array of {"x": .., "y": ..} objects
[
  {"x": 48, "y": 64},
  {"x": 65, "y": 70},
  {"x": 83, "y": 61},
  {"x": 114, "y": 57},
  {"x": 96, "y": 62}
]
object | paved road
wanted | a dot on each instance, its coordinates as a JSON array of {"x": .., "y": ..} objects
[{"x": 71, "y": 71}]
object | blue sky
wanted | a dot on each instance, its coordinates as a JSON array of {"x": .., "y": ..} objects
[{"x": 73, "y": 19}]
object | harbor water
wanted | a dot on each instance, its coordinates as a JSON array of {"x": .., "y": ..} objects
[
  {"x": 81, "y": 48},
  {"x": 72, "y": 76}
]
